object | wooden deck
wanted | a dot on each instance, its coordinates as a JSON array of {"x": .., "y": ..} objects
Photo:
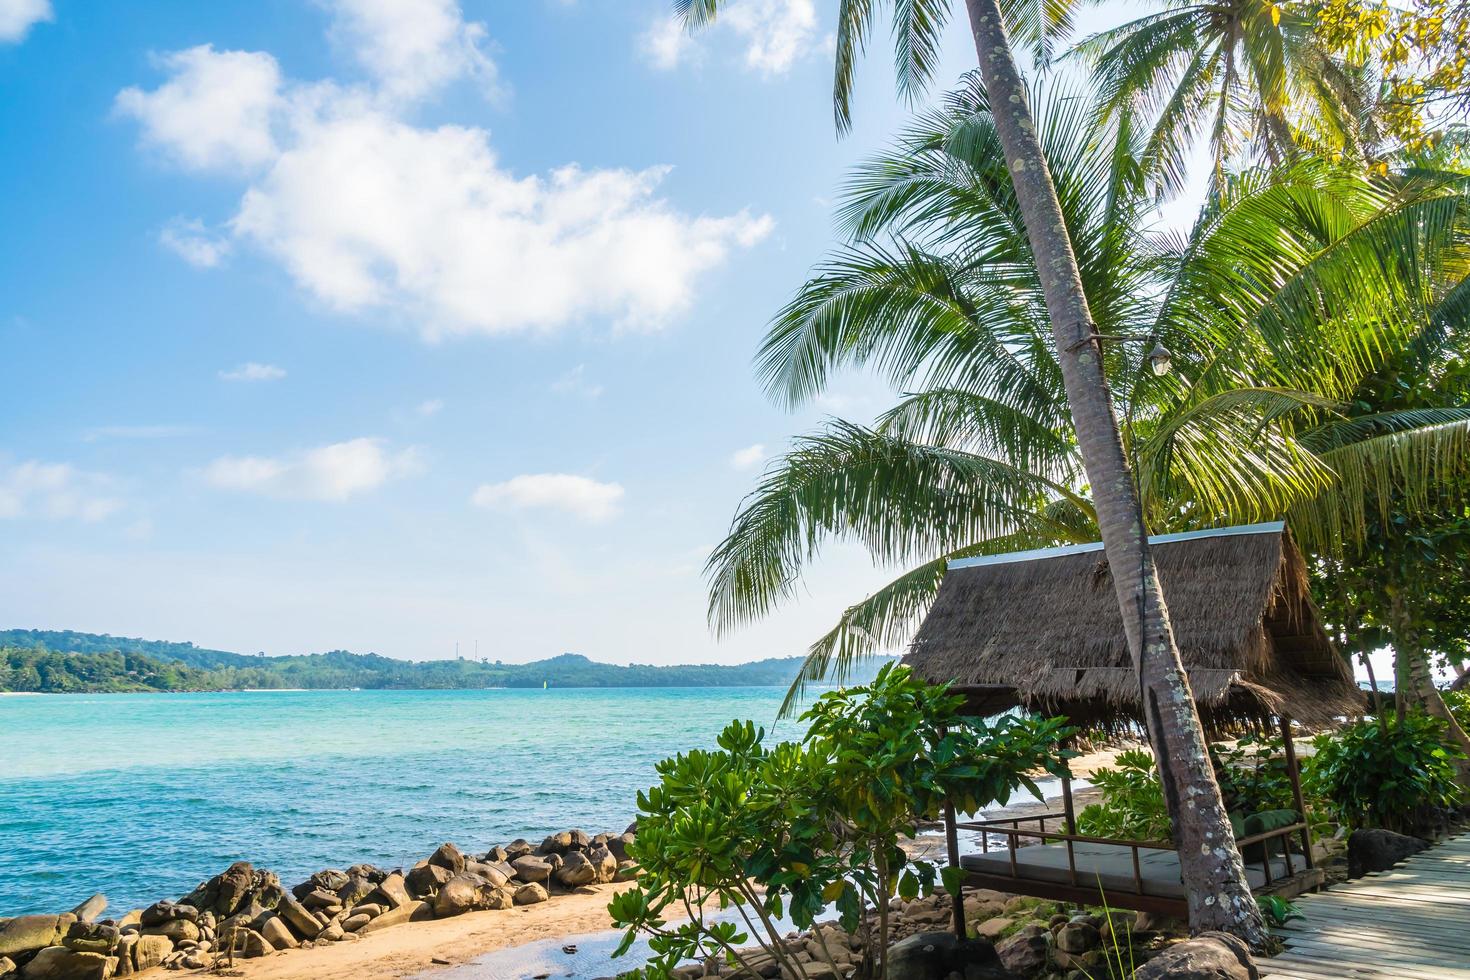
[{"x": 1411, "y": 923}]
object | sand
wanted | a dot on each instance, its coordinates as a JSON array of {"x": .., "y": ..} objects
[{"x": 410, "y": 949}]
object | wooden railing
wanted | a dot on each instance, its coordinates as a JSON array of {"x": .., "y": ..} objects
[{"x": 1010, "y": 829}]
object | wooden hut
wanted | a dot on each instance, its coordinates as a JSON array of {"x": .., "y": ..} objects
[{"x": 1041, "y": 630}]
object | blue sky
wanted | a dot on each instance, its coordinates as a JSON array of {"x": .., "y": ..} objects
[{"x": 391, "y": 324}]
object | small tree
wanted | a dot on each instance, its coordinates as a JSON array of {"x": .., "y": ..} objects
[
  {"x": 790, "y": 829},
  {"x": 1386, "y": 775}
]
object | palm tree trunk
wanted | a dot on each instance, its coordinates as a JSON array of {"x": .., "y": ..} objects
[
  {"x": 1418, "y": 680},
  {"x": 1219, "y": 896}
]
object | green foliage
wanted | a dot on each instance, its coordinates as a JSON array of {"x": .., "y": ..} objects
[
  {"x": 1459, "y": 704},
  {"x": 1383, "y": 772},
  {"x": 788, "y": 829},
  {"x": 1132, "y": 806},
  {"x": 1252, "y": 774},
  {"x": 1277, "y": 911}
]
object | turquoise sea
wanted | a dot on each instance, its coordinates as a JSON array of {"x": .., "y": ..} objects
[{"x": 142, "y": 796}]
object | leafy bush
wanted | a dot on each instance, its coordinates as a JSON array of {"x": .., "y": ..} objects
[
  {"x": 1252, "y": 774},
  {"x": 1459, "y": 704},
  {"x": 1132, "y": 806},
  {"x": 790, "y": 828},
  {"x": 1383, "y": 773}
]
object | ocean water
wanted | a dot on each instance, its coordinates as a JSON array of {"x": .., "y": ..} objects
[{"x": 142, "y": 796}]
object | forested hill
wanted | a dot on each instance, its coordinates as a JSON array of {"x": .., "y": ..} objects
[{"x": 58, "y": 661}]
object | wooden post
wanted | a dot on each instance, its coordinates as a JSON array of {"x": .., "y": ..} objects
[
  {"x": 1067, "y": 808},
  {"x": 952, "y": 845},
  {"x": 1294, "y": 772}
]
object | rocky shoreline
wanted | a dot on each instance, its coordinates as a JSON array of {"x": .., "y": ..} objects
[{"x": 245, "y": 912}]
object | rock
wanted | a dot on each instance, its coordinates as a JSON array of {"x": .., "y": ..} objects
[
  {"x": 466, "y": 893},
  {"x": 60, "y": 963},
  {"x": 517, "y": 848},
  {"x": 149, "y": 951},
  {"x": 8, "y": 968},
  {"x": 412, "y": 911},
  {"x": 555, "y": 860},
  {"x": 992, "y": 928},
  {"x": 1078, "y": 937},
  {"x": 331, "y": 934},
  {"x": 178, "y": 930},
  {"x": 627, "y": 871},
  {"x": 249, "y": 944},
  {"x": 355, "y": 922},
  {"x": 370, "y": 909},
  {"x": 356, "y": 889},
  {"x": 328, "y": 880},
  {"x": 489, "y": 872},
  {"x": 619, "y": 845},
  {"x": 276, "y": 933},
  {"x": 27, "y": 932},
  {"x": 603, "y": 862},
  {"x": 1208, "y": 956},
  {"x": 394, "y": 891},
  {"x": 531, "y": 868},
  {"x": 92, "y": 937},
  {"x": 579, "y": 840},
  {"x": 425, "y": 880},
  {"x": 495, "y": 855},
  {"x": 556, "y": 843},
  {"x": 371, "y": 872},
  {"x": 1379, "y": 850},
  {"x": 1025, "y": 951},
  {"x": 448, "y": 856},
  {"x": 91, "y": 908},
  {"x": 226, "y": 892},
  {"x": 530, "y": 893},
  {"x": 576, "y": 870},
  {"x": 298, "y": 918},
  {"x": 320, "y": 899},
  {"x": 936, "y": 955}
]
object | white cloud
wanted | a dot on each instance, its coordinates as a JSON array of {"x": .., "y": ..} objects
[
  {"x": 54, "y": 491},
  {"x": 215, "y": 112},
  {"x": 368, "y": 212},
  {"x": 665, "y": 44},
  {"x": 580, "y": 496},
  {"x": 413, "y": 47},
  {"x": 774, "y": 34},
  {"x": 17, "y": 17},
  {"x": 253, "y": 371},
  {"x": 194, "y": 243},
  {"x": 575, "y": 382},
  {"x": 749, "y": 457},
  {"x": 430, "y": 406},
  {"x": 331, "y": 473}
]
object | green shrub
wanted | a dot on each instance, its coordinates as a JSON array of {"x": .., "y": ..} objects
[
  {"x": 1459, "y": 704},
  {"x": 1132, "y": 806},
  {"x": 790, "y": 828},
  {"x": 1383, "y": 773}
]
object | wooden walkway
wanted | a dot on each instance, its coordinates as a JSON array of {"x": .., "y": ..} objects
[{"x": 1411, "y": 923}]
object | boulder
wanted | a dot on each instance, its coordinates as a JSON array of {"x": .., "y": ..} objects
[
  {"x": 495, "y": 855},
  {"x": 276, "y": 933},
  {"x": 627, "y": 871},
  {"x": 394, "y": 891},
  {"x": 1208, "y": 956},
  {"x": 425, "y": 880},
  {"x": 149, "y": 951},
  {"x": 448, "y": 856},
  {"x": 1379, "y": 850},
  {"x": 1078, "y": 937},
  {"x": 555, "y": 860},
  {"x": 489, "y": 872},
  {"x": 60, "y": 963},
  {"x": 412, "y": 911},
  {"x": 936, "y": 955},
  {"x": 355, "y": 922},
  {"x": 466, "y": 893},
  {"x": 8, "y": 968},
  {"x": 92, "y": 937},
  {"x": 177, "y": 930},
  {"x": 371, "y": 872},
  {"x": 556, "y": 843},
  {"x": 249, "y": 944},
  {"x": 132, "y": 917},
  {"x": 299, "y": 919},
  {"x": 328, "y": 880},
  {"x": 576, "y": 870},
  {"x": 1025, "y": 951},
  {"x": 619, "y": 845},
  {"x": 530, "y": 893},
  {"x": 27, "y": 932},
  {"x": 531, "y": 868},
  {"x": 580, "y": 841},
  {"x": 91, "y": 908},
  {"x": 517, "y": 848},
  {"x": 225, "y": 892},
  {"x": 603, "y": 862},
  {"x": 355, "y": 890},
  {"x": 320, "y": 899},
  {"x": 992, "y": 928},
  {"x": 370, "y": 909}
]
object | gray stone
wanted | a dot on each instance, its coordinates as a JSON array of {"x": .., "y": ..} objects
[
  {"x": 60, "y": 963},
  {"x": 580, "y": 840},
  {"x": 531, "y": 868},
  {"x": 556, "y": 843},
  {"x": 160, "y": 912},
  {"x": 992, "y": 928},
  {"x": 371, "y": 872},
  {"x": 576, "y": 870},
  {"x": 424, "y": 880},
  {"x": 619, "y": 845},
  {"x": 27, "y": 932},
  {"x": 467, "y": 893},
  {"x": 250, "y": 944},
  {"x": 1379, "y": 850},
  {"x": 1078, "y": 937},
  {"x": 276, "y": 933},
  {"x": 530, "y": 893},
  {"x": 487, "y": 871},
  {"x": 394, "y": 890},
  {"x": 1208, "y": 956},
  {"x": 517, "y": 848},
  {"x": 92, "y": 937},
  {"x": 603, "y": 863},
  {"x": 413, "y": 911},
  {"x": 89, "y": 910},
  {"x": 298, "y": 918},
  {"x": 936, "y": 955},
  {"x": 1025, "y": 951},
  {"x": 329, "y": 879},
  {"x": 448, "y": 856},
  {"x": 356, "y": 889},
  {"x": 227, "y": 891},
  {"x": 149, "y": 951},
  {"x": 320, "y": 899}
]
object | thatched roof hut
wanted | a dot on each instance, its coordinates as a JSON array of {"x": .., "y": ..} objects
[{"x": 1042, "y": 629}]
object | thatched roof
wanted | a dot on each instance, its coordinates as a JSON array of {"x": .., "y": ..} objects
[{"x": 1042, "y": 629}]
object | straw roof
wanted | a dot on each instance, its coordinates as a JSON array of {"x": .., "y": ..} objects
[{"x": 1043, "y": 629}]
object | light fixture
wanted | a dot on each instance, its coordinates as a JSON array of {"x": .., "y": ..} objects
[{"x": 1160, "y": 360}]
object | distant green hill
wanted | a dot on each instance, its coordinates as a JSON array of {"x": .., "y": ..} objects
[{"x": 64, "y": 660}]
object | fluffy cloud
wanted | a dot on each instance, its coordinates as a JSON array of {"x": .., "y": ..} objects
[
  {"x": 774, "y": 34},
  {"x": 749, "y": 457},
  {"x": 194, "y": 243},
  {"x": 579, "y": 496},
  {"x": 17, "y": 17},
  {"x": 253, "y": 371},
  {"x": 413, "y": 47},
  {"x": 216, "y": 111},
  {"x": 370, "y": 212},
  {"x": 330, "y": 473},
  {"x": 54, "y": 491}
]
